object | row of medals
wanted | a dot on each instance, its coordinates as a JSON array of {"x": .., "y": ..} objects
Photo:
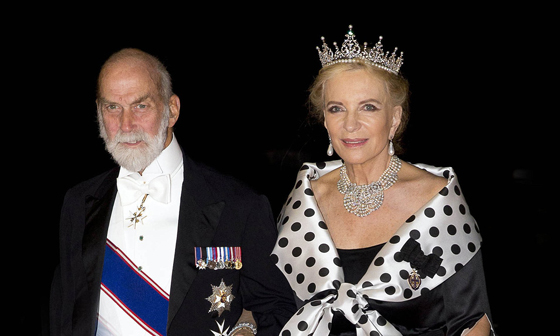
[{"x": 219, "y": 264}]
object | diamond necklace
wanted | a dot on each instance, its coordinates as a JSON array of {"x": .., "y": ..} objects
[{"x": 361, "y": 200}]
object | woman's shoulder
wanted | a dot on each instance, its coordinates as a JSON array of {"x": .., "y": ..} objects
[
  {"x": 324, "y": 184},
  {"x": 421, "y": 179}
]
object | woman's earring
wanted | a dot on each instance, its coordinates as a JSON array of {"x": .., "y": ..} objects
[
  {"x": 330, "y": 150},
  {"x": 391, "y": 148}
]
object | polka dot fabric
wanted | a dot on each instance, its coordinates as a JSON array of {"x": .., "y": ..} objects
[{"x": 307, "y": 256}]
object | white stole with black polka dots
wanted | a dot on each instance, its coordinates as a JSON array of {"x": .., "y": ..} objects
[{"x": 307, "y": 256}]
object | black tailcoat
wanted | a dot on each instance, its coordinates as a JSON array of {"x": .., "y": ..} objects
[{"x": 215, "y": 210}]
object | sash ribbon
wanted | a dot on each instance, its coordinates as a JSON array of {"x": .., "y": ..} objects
[{"x": 134, "y": 292}]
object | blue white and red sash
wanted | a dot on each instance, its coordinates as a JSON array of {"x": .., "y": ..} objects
[{"x": 134, "y": 292}]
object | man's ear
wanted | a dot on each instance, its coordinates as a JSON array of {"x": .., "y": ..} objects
[{"x": 174, "y": 110}]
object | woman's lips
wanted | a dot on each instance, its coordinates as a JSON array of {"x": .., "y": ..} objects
[{"x": 354, "y": 143}]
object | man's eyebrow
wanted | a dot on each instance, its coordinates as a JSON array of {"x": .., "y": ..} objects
[{"x": 140, "y": 99}]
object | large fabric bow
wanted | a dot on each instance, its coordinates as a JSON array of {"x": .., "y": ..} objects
[
  {"x": 350, "y": 300},
  {"x": 130, "y": 189}
]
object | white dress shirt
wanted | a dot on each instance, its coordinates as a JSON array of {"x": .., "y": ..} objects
[{"x": 150, "y": 243}]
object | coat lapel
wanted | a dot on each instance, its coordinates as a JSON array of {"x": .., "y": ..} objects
[
  {"x": 98, "y": 213},
  {"x": 199, "y": 216},
  {"x": 98, "y": 207}
]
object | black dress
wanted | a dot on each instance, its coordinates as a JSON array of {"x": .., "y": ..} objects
[{"x": 456, "y": 304}]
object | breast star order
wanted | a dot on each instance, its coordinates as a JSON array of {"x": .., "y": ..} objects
[{"x": 221, "y": 298}]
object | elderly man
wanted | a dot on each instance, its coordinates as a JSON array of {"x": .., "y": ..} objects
[{"x": 161, "y": 245}]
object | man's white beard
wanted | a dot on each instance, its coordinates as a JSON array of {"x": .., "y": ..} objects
[{"x": 135, "y": 159}]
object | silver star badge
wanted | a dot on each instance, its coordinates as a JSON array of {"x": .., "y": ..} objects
[
  {"x": 221, "y": 298},
  {"x": 221, "y": 331}
]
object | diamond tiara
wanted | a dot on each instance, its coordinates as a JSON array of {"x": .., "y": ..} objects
[{"x": 351, "y": 51}]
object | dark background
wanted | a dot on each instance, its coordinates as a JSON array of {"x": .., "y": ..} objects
[{"x": 481, "y": 102}]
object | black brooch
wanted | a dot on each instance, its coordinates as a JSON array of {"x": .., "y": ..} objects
[{"x": 425, "y": 265}]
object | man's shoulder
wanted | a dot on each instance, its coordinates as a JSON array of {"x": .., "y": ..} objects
[
  {"x": 224, "y": 184},
  {"x": 92, "y": 185}
]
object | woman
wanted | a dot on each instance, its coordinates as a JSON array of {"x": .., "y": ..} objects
[{"x": 372, "y": 245}]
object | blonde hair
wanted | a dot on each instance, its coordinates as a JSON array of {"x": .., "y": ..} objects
[{"x": 396, "y": 86}]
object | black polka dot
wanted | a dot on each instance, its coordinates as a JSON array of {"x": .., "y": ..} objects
[
  {"x": 429, "y": 212},
  {"x": 437, "y": 251},
  {"x": 363, "y": 319},
  {"x": 302, "y": 326},
  {"x": 274, "y": 258},
  {"x": 286, "y": 333},
  {"x": 444, "y": 191},
  {"x": 298, "y": 183},
  {"x": 411, "y": 219},
  {"x": 404, "y": 274},
  {"x": 336, "y": 284},
  {"x": 398, "y": 257},
  {"x": 350, "y": 293},
  {"x": 324, "y": 248},
  {"x": 316, "y": 303},
  {"x": 355, "y": 308},
  {"x": 367, "y": 284},
  {"x": 407, "y": 293},
  {"x": 308, "y": 192},
  {"x": 285, "y": 220},
  {"x": 324, "y": 272},
  {"x": 309, "y": 236},
  {"x": 337, "y": 261},
  {"x": 390, "y": 290},
  {"x": 447, "y": 210},
  {"x": 309, "y": 212},
  {"x": 310, "y": 261},
  {"x": 296, "y": 226},
  {"x": 455, "y": 249},
  {"x": 441, "y": 272},
  {"x": 300, "y": 278},
  {"x": 434, "y": 231},
  {"x": 462, "y": 209},
  {"x": 296, "y": 204},
  {"x": 472, "y": 247},
  {"x": 451, "y": 229},
  {"x": 311, "y": 287},
  {"x": 379, "y": 261},
  {"x": 458, "y": 267},
  {"x": 385, "y": 277},
  {"x": 395, "y": 239},
  {"x": 467, "y": 228},
  {"x": 372, "y": 333},
  {"x": 296, "y": 252},
  {"x": 381, "y": 321},
  {"x": 457, "y": 190},
  {"x": 321, "y": 165},
  {"x": 414, "y": 234},
  {"x": 288, "y": 201},
  {"x": 322, "y": 225},
  {"x": 283, "y": 242},
  {"x": 288, "y": 268}
]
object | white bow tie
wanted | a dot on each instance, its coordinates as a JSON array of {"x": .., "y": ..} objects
[{"x": 130, "y": 190}]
